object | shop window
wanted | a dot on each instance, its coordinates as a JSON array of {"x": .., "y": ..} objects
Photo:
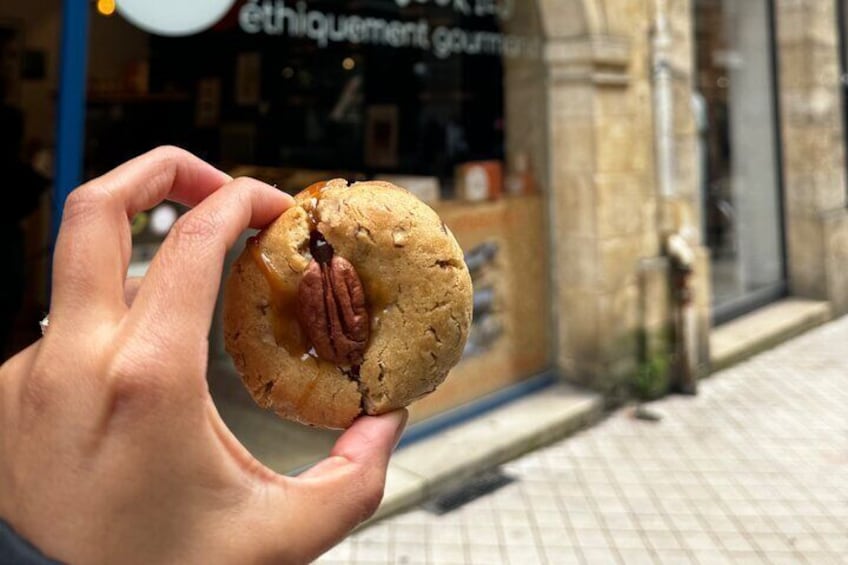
[
  {"x": 419, "y": 93},
  {"x": 741, "y": 180}
]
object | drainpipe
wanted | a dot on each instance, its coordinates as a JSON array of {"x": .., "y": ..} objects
[
  {"x": 663, "y": 108},
  {"x": 677, "y": 248}
]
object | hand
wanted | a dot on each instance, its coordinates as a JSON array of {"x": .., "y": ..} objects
[{"x": 111, "y": 450}]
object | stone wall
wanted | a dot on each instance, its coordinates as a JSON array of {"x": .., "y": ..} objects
[
  {"x": 608, "y": 218},
  {"x": 606, "y": 212}
]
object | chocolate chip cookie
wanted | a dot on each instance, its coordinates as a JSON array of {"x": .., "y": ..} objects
[{"x": 355, "y": 301}]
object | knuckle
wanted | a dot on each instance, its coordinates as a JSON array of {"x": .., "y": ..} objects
[
  {"x": 36, "y": 391},
  {"x": 195, "y": 228},
  {"x": 129, "y": 382},
  {"x": 369, "y": 495},
  {"x": 87, "y": 200},
  {"x": 169, "y": 154}
]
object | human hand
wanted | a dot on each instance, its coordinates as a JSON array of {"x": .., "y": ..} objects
[{"x": 111, "y": 449}]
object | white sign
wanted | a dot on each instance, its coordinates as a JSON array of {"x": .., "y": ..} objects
[
  {"x": 277, "y": 17},
  {"x": 174, "y": 18}
]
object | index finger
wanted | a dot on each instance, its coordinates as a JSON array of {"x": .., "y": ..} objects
[
  {"x": 94, "y": 244},
  {"x": 178, "y": 294}
]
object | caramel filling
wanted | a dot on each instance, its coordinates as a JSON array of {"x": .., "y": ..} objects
[{"x": 287, "y": 331}]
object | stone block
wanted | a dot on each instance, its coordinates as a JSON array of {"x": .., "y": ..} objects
[
  {"x": 578, "y": 323},
  {"x": 573, "y": 199},
  {"x": 824, "y": 62},
  {"x": 618, "y": 258},
  {"x": 573, "y": 145},
  {"x": 620, "y": 137},
  {"x": 654, "y": 291},
  {"x": 618, "y": 324},
  {"x": 805, "y": 252},
  {"x": 800, "y": 192},
  {"x": 613, "y": 103},
  {"x": 808, "y": 149},
  {"x": 835, "y": 225},
  {"x": 791, "y": 23},
  {"x": 624, "y": 17},
  {"x": 567, "y": 19},
  {"x": 577, "y": 264},
  {"x": 572, "y": 99},
  {"x": 618, "y": 197},
  {"x": 830, "y": 188},
  {"x": 821, "y": 25},
  {"x": 794, "y": 63}
]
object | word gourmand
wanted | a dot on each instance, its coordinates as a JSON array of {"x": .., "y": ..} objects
[{"x": 276, "y": 17}]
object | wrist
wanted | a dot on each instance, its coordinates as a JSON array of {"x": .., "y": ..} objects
[{"x": 15, "y": 549}]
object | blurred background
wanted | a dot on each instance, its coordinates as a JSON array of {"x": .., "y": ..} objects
[{"x": 647, "y": 191}]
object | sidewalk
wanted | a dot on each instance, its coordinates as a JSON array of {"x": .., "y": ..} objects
[{"x": 752, "y": 470}]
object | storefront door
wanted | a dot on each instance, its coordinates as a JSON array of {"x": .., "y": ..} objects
[{"x": 741, "y": 181}]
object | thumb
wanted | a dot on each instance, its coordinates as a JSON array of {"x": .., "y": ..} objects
[{"x": 342, "y": 491}]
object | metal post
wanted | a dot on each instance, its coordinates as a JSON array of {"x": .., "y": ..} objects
[{"x": 70, "y": 130}]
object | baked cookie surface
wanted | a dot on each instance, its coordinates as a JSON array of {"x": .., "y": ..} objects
[{"x": 412, "y": 304}]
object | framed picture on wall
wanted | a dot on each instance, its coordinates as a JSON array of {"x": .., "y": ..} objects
[
  {"x": 381, "y": 136},
  {"x": 11, "y": 55},
  {"x": 248, "y": 79}
]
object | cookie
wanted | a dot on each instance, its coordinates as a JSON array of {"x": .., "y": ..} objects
[{"x": 356, "y": 300}]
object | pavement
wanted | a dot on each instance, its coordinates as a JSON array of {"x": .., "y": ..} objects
[{"x": 752, "y": 470}]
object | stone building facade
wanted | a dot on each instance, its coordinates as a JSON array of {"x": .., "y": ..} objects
[{"x": 623, "y": 178}]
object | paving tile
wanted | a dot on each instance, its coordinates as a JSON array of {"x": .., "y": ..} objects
[
  {"x": 591, "y": 538},
  {"x": 447, "y": 553},
  {"x": 341, "y": 552},
  {"x": 556, "y": 537},
  {"x": 410, "y": 553},
  {"x": 524, "y": 553},
  {"x": 371, "y": 551},
  {"x": 698, "y": 541},
  {"x": 486, "y": 554},
  {"x": 556, "y": 555},
  {"x": 746, "y": 558},
  {"x": 662, "y": 540},
  {"x": 837, "y": 543},
  {"x": 483, "y": 534},
  {"x": 822, "y": 558},
  {"x": 600, "y": 555},
  {"x": 628, "y": 538},
  {"x": 673, "y": 557},
  {"x": 637, "y": 556},
  {"x": 615, "y": 521},
  {"x": 709, "y": 557},
  {"x": 685, "y": 522},
  {"x": 732, "y": 541},
  {"x": 584, "y": 520}
]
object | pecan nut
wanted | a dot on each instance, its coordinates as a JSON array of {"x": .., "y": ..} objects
[{"x": 332, "y": 311}]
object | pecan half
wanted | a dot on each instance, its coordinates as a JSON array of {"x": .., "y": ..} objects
[{"x": 332, "y": 310}]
